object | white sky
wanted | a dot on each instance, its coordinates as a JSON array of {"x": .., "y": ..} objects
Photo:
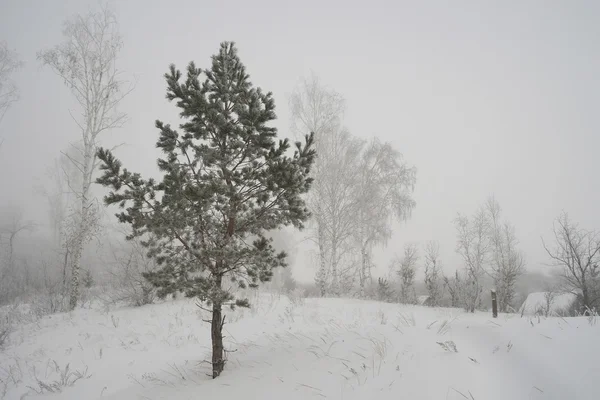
[{"x": 499, "y": 98}]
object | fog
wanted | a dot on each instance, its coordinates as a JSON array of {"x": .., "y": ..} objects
[
  {"x": 296, "y": 199},
  {"x": 483, "y": 99}
]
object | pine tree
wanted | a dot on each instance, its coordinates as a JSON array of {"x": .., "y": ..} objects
[
  {"x": 455, "y": 289},
  {"x": 407, "y": 271},
  {"x": 384, "y": 292},
  {"x": 433, "y": 273},
  {"x": 226, "y": 182}
]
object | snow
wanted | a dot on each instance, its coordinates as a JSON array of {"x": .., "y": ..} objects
[
  {"x": 304, "y": 349},
  {"x": 537, "y": 303}
]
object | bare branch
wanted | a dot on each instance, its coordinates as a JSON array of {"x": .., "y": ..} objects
[
  {"x": 9, "y": 64},
  {"x": 577, "y": 252}
]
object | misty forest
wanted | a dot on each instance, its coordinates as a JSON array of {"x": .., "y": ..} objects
[{"x": 384, "y": 222}]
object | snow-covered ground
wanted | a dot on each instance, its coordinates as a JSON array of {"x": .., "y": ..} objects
[{"x": 303, "y": 349}]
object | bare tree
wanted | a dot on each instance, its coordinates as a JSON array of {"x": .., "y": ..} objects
[
  {"x": 383, "y": 193},
  {"x": 454, "y": 286},
  {"x": 128, "y": 263},
  {"x": 473, "y": 246},
  {"x": 407, "y": 270},
  {"x": 550, "y": 295},
  {"x": 317, "y": 109},
  {"x": 60, "y": 189},
  {"x": 86, "y": 61},
  {"x": 507, "y": 262},
  {"x": 12, "y": 225},
  {"x": 577, "y": 252},
  {"x": 9, "y": 93},
  {"x": 55, "y": 187},
  {"x": 433, "y": 273}
]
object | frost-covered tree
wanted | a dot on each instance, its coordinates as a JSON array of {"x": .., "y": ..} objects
[
  {"x": 9, "y": 63},
  {"x": 283, "y": 278},
  {"x": 338, "y": 206},
  {"x": 406, "y": 268},
  {"x": 322, "y": 277},
  {"x": 127, "y": 265},
  {"x": 383, "y": 193},
  {"x": 454, "y": 286},
  {"x": 577, "y": 252},
  {"x": 384, "y": 291},
  {"x": 86, "y": 61},
  {"x": 473, "y": 246},
  {"x": 316, "y": 108},
  {"x": 12, "y": 225},
  {"x": 54, "y": 188},
  {"x": 433, "y": 273},
  {"x": 59, "y": 187},
  {"x": 226, "y": 182},
  {"x": 507, "y": 262}
]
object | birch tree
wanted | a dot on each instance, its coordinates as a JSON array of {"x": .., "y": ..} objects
[
  {"x": 338, "y": 203},
  {"x": 315, "y": 108},
  {"x": 383, "y": 194},
  {"x": 577, "y": 252},
  {"x": 86, "y": 62},
  {"x": 507, "y": 263}
]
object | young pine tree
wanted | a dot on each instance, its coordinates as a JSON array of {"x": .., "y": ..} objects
[
  {"x": 433, "y": 274},
  {"x": 226, "y": 181},
  {"x": 407, "y": 272}
]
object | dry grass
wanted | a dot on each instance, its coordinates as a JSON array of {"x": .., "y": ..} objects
[
  {"x": 445, "y": 326},
  {"x": 407, "y": 320},
  {"x": 5, "y": 331},
  {"x": 448, "y": 346},
  {"x": 65, "y": 378}
]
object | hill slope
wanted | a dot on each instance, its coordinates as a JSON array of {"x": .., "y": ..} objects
[{"x": 302, "y": 349}]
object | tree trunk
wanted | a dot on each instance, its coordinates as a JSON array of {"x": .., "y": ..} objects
[
  {"x": 10, "y": 251},
  {"x": 585, "y": 299},
  {"x": 65, "y": 264},
  {"x": 335, "y": 283},
  {"x": 82, "y": 228},
  {"x": 363, "y": 272},
  {"x": 216, "y": 330},
  {"x": 322, "y": 258},
  {"x": 494, "y": 305},
  {"x": 75, "y": 260}
]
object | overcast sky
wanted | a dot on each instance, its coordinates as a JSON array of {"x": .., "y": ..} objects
[{"x": 498, "y": 98}]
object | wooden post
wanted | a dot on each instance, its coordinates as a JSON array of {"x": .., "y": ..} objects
[{"x": 494, "y": 304}]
